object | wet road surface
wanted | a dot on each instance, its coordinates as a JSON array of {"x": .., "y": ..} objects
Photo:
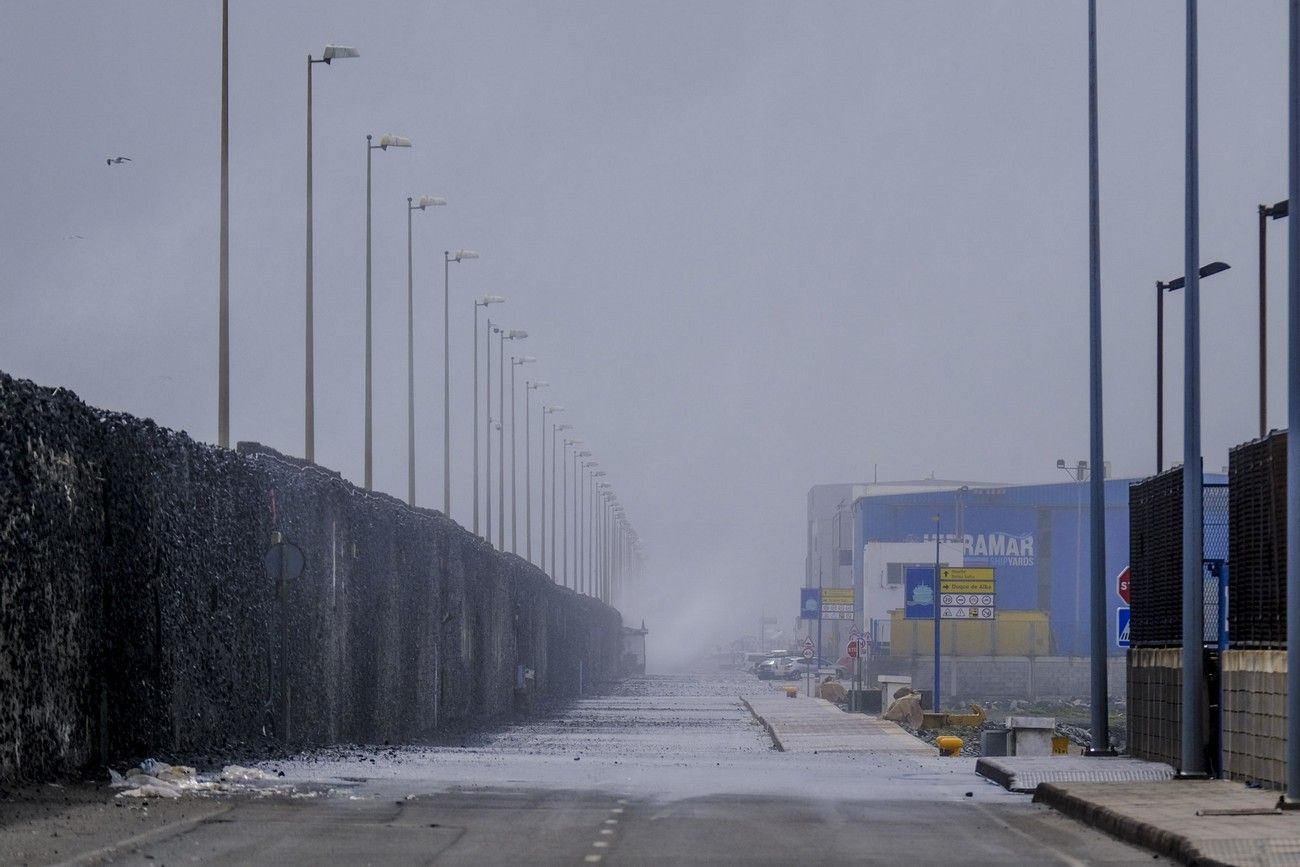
[{"x": 662, "y": 770}]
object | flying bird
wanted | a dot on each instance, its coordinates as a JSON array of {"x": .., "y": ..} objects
[{"x": 118, "y": 160}]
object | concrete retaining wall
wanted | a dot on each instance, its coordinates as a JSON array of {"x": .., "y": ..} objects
[
  {"x": 136, "y": 617},
  {"x": 1254, "y": 716},
  {"x": 1155, "y": 704}
]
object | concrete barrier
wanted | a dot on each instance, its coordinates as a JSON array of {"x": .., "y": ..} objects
[{"x": 136, "y": 617}]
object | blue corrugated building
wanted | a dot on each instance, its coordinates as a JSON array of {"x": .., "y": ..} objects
[{"x": 1036, "y": 537}]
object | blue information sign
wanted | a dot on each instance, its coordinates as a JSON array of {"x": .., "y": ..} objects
[
  {"x": 810, "y": 603},
  {"x": 919, "y": 587},
  {"x": 1121, "y": 627}
]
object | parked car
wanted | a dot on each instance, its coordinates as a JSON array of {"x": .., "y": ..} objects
[
  {"x": 777, "y": 668},
  {"x": 803, "y": 666}
]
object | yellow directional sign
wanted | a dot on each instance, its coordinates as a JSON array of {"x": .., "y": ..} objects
[
  {"x": 837, "y": 596},
  {"x": 968, "y": 579}
]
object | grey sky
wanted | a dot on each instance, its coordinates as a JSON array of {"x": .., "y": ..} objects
[{"x": 757, "y": 245}]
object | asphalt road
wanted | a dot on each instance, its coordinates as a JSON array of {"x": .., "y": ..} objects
[{"x": 666, "y": 770}]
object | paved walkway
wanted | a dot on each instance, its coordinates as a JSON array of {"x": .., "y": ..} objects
[
  {"x": 1205, "y": 822},
  {"x": 806, "y": 725},
  {"x": 1024, "y": 773}
]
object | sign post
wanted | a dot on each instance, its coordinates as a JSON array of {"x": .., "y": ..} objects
[{"x": 808, "y": 654}]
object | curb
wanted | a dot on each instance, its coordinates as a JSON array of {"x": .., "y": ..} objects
[
  {"x": 1123, "y": 827},
  {"x": 776, "y": 741},
  {"x": 992, "y": 771}
]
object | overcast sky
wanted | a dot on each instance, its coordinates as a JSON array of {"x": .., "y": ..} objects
[{"x": 757, "y": 245}]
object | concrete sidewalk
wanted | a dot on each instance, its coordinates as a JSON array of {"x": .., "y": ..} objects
[
  {"x": 1205, "y": 822},
  {"x": 805, "y": 725},
  {"x": 1024, "y": 773}
]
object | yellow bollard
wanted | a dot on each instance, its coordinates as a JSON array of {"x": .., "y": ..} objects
[
  {"x": 1060, "y": 745},
  {"x": 792, "y": 692},
  {"x": 949, "y": 745}
]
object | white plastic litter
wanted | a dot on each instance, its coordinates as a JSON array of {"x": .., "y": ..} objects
[{"x": 240, "y": 774}]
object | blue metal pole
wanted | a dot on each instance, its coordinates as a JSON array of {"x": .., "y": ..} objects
[
  {"x": 1193, "y": 705},
  {"x": 1293, "y": 423},
  {"x": 937, "y": 679},
  {"x": 1097, "y": 480}
]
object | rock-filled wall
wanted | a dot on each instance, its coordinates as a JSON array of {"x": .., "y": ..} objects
[{"x": 137, "y": 618}]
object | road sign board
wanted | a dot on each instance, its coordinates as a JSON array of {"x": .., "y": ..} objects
[
  {"x": 956, "y": 612},
  {"x": 1121, "y": 626},
  {"x": 1121, "y": 587},
  {"x": 853, "y": 650},
  {"x": 807, "y": 648},
  {"x": 810, "y": 603},
  {"x": 918, "y": 599},
  {"x": 837, "y": 596},
  {"x": 969, "y": 579}
]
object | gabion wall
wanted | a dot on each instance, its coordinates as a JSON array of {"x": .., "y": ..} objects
[
  {"x": 136, "y": 617},
  {"x": 1156, "y": 560},
  {"x": 1257, "y": 586}
]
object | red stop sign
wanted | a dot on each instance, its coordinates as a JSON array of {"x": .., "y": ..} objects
[
  {"x": 1122, "y": 585},
  {"x": 853, "y": 649}
]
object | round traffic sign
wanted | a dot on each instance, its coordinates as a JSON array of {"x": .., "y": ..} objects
[
  {"x": 807, "y": 653},
  {"x": 1121, "y": 585}
]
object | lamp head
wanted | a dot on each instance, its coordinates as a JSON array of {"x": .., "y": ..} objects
[
  {"x": 555, "y": 409},
  {"x": 524, "y": 359},
  {"x": 541, "y": 384},
  {"x": 428, "y": 202},
  {"x": 461, "y": 255},
  {"x": 338, "y": 52},
  {"x": 490, "y": 299},
  {"x": 516, "y": 334}
]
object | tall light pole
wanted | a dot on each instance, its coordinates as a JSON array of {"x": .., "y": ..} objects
[
  {"x": 487, "y": 461},
  {"x": 577, "y": 524},
  {"x": 546, "y": 411},
  {"x": 529, "y": 388},
  {"x": 223, "y": 279},
  {"x": 1293, "y": 419},
  {"x": 503, "y": 335},
  {"x": 514, "y": 467},
  {"x": 386, "y": 141},
  {"x": 1277, "y": 212},
  {"x": 1162, "y": 287},
  {"x": 447, "y": 258},
  {"x": 593, "y": 531},
  {"x": 330, "y": 54},
  {"x": 481, "y": 302},
  {"x": 584, "y": 528},
  {"x": 1193, "y": 702},
  {"x": 411, "y": 207},
  {"x": 556, "y": 481},
  {"x": 564, "y": 511},
  {"x": 1099, "y": 691}
]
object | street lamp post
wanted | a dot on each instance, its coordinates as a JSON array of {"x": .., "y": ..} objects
[
  {"x": 547, "y": 410},
  {"x": 1193, "y": 613},
  {"x": 411, "y": 207},
  {"x": 503, "y": 335},
  {"x": 447, "y": 258},
  {"x": 481, "y": 302},
  {"x": 556, "y": 481},
  {"x": 1277, "y": 212},
  {"x": 223, "y": 276},
  {"x": 330, "y": 54},
  {"x": 1162, "y": 287},
  {"x": 1293, "y": 418},
  {"x": 530, "y": 387},
  {"x": 487, "y": 460},
  {"x": 514, "y": 469},
  {"x": 564, "y": 511},
  {"x": 386, "y": 141},
  {"x": 584, "y": 528},
  {"x": 577, "y": 523}
]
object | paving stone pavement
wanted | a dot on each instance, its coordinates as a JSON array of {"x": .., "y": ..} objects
[
  {"x": 803, "y": 724},
  {"x": 1204, "y": 822},
  {"x": 1024, "y": 773}
]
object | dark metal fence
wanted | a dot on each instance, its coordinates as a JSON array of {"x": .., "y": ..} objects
[
  {"x": 1257, "y": 591},
  {"x": 1156, "y": 559}
]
